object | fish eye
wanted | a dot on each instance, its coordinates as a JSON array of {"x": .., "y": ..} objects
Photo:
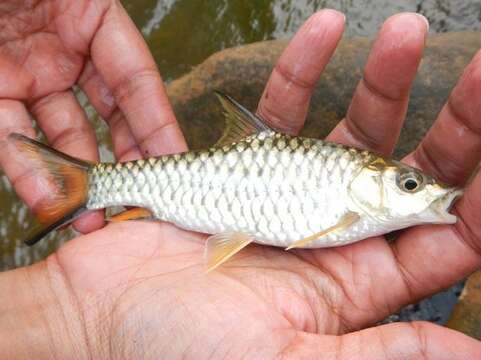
[{"x": 410, "y": 182}]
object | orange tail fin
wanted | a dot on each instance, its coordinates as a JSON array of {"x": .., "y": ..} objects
[{"x": 70, "y": 177}]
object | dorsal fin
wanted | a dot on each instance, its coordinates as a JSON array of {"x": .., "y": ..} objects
[{"x": 240, "y": 122}]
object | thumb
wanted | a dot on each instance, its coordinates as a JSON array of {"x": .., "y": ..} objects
[{"x": 416, "y": 340}]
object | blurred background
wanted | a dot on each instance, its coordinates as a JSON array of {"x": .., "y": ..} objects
[{"x": 183, "y": 33}]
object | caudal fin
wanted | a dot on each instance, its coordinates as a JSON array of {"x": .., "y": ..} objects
[{"x": 70, "y": 178}]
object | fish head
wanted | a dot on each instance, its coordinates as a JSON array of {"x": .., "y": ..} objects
[{"x": 402, "y": 196}]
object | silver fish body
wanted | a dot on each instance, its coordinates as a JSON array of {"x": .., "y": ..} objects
[
  {"x": 254, "y": 185},
  {"x": 276, "y": 188}
]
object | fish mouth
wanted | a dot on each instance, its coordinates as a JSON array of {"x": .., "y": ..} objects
[{"x": 443, "y": 206}]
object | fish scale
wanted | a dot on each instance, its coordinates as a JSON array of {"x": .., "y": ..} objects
[{"x": 275, "y": 187}]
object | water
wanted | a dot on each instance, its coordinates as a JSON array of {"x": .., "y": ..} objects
[{"x": 182, "y": 33}]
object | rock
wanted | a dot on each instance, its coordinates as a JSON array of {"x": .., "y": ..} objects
[
  {"x": 466, "y": 316},
  {"x": 243, "y": 71}
]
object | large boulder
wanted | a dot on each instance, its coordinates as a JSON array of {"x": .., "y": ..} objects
[{"x": 243, "y": 71}]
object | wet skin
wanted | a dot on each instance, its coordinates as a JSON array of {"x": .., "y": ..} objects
[{"x": 138, "y": 290}]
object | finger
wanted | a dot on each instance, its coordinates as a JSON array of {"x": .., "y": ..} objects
[
  {"x": 452, "y": 147},
  {"x": 97, "y": 92},
  {"x": 285, "y": 100},
  {"x": 424, "y": 259},
  {"x": 133, "y": 78},
  {"x": 378, "y": 108},
  {"x": 417, "y": 340},
  {"x": 16, "y": 119},
  {"x": 432, "y": 258},
  {"x": 373, "y": 121},
  {"x": 124, "y": 144},
  {"x": 67, "y": 129}
]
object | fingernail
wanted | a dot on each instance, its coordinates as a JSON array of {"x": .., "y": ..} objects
[
  {"x": 336, "y": 12},
  {"x": 332, "y": 13},
  {"x": 320, "y": 21},
  {"x": 425, "y": 20}
]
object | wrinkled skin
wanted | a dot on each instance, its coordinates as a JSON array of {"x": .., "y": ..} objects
[{"x": 138, "y": 290}]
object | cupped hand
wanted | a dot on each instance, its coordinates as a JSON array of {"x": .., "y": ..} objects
[
  {"x": 49, "y": 46},
  {"x": 139, "y": 290}
]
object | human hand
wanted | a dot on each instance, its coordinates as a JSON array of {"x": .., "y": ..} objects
[
  {"x": 46, "y": 48},
  {"x": 139, "y": 290}
]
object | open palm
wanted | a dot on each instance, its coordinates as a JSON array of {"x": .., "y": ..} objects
[{"x": 139, "y": 290}]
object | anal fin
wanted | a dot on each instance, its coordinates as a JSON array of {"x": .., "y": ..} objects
[
  {"x": 131, "y": 214},
  {"x": 347, "y": 220},
  {"x": 221, "y": 247}
]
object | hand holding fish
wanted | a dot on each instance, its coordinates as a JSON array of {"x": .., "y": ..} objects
[
  {"x": 46, "y": 48},
  {"x": 139, "y": 289}
]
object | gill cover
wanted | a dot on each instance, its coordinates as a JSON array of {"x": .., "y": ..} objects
[{"x": 367, "y": 190}]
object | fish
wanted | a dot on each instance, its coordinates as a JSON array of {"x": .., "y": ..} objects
[{"x": 256, "y": 185}]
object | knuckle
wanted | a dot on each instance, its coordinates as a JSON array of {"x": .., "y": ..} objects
[
  {"x": 376, "y": 92},
  {"x": 277, "y": 119},
  {"x": 70, "y": 135},
  {"x": 293, "y": 78},
  {"x": 129, "y": 85}
]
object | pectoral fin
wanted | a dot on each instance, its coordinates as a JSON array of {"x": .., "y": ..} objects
[
  {"x": 132, "y": 214},
  {"x": 221, "y": 247},
  {"x": 347, "y": 220}
]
